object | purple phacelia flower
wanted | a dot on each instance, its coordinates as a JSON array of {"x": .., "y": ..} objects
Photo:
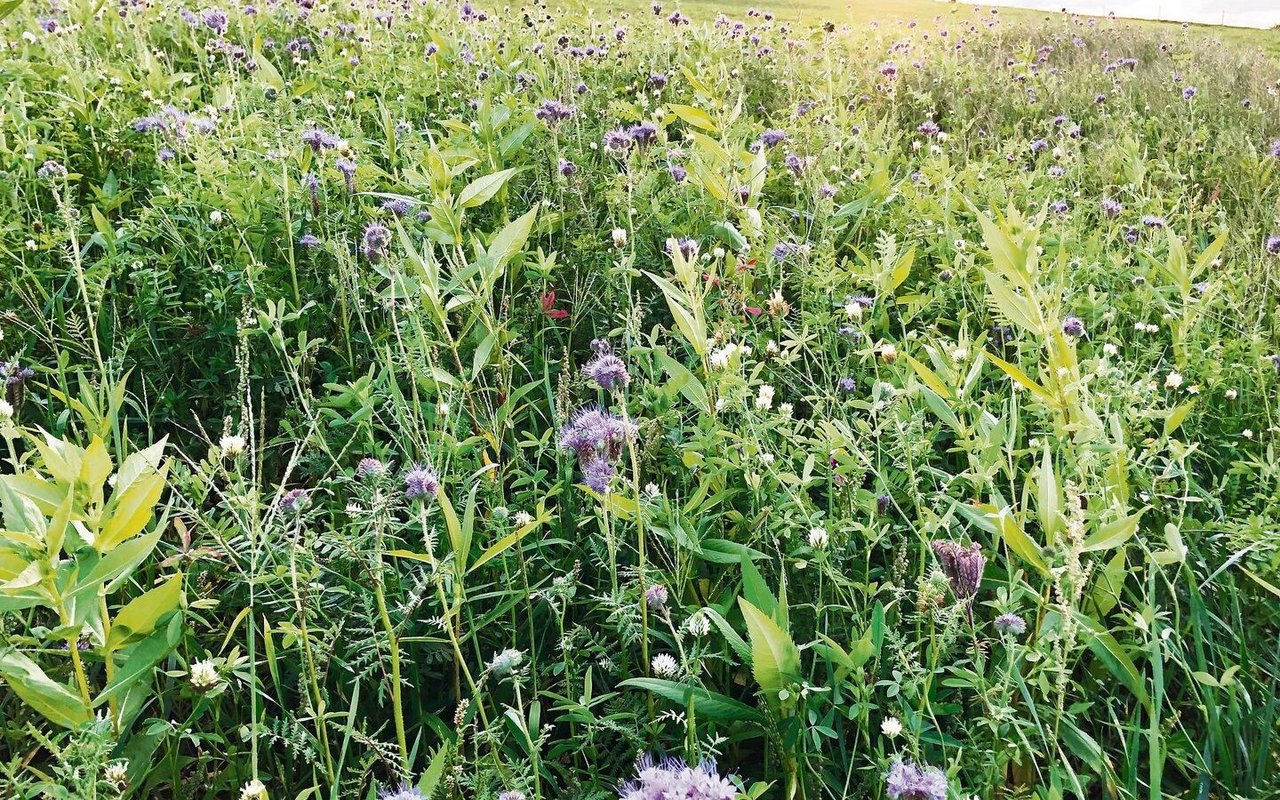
[
  {"x": 421, "y": 481},
  {"x": 1111, "y": 207},
  {"x": 399, "y": 206},
  {"x": 678, "y": 173},
  {"x": 673, "y": 779},
  {"x": 1152, "y": 221},
  {"x": 906, "y": 781},
  {"x": 319, "y": 140},
  {"x": 929, "y": 128},
  {"x": 1011, "y": 624},
  {"x": 374, "y": 242},
  {"x": 553, "y": 112},
  {"x": 371, "y": 468},
  {"x": 773, "y": 137},
  {"x": 643, "y": 133},
  {"x": 1073, "y": 326},
  {"x": 606, "y": 369},
  {"x": 617, "y": 141},
  {"x": 567, "y": 167},
  {"x": 1273, "y": 244},
  {"x": 215, "y": 19},
  {"x": 848, "y": 385},
  {"x": 308, "y": 240}
]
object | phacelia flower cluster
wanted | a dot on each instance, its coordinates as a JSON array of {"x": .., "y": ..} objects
[
  {"x": 596, "y": 437},
  {"x": 906, "y": 781},
  {"x": 673, "y": 779}
]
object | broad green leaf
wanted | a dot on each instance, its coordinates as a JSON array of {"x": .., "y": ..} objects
[
  {"x": 1113, "y": 534},
  {"x": 140, "y": 616},
  {"x": 931, "y": 379},
  {"x": 694, "y": 116},
  {"x": 1021, "y": 377},
  {"x": 775, "y": 659},
  {"x": 130, "y": 510},
  {"x": 479, "y": 191},
  {"x": 140, "y": 660},
  {"x": 1111, "y": 654},
  {"x": 1177, "y": 416},
  {"x": 706, "y": 703},
  {"x": 53, "y": 701}
]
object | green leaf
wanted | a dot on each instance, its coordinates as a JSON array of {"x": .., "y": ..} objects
[
  {"x": 1113, "y": 534},
  {"x": 1177, "y": 416},
  {"x": 53, "y": 701},
  {"x": 509, "y": 241},
  {"x": 504, "y": 543},
  {"x": 706, "y": 703},
  {"x": 681, "y": 308},
  {"x": 775, "y": 659},
  {"x": 479, "y": 191},
  {"x": 141, "y": 660},
  {"x": 1113, "y": 656},
  {"x": 694, "y": 116},
  {"x": 431, "y": 777},
  {"x": 129, "y": 510},
  {"x": 140, "y": 617},
  {"x": 931, "y": 379}
]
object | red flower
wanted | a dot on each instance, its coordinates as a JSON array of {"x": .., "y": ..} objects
[{"x": 548, "y": 306}]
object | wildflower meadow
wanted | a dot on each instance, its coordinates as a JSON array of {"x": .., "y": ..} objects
[{"x": 415, "y": 399}]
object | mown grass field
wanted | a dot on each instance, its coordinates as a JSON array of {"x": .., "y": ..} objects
[{"x": 435, "y": 400}]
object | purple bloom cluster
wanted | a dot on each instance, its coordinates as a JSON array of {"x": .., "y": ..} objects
[
  {"x": 1073, "y": 326},
  {"x": 606, "y": 369},
  {"x": 773, "y": 137},
  {"x": 596, "y": 437},
  {"x": 906, "y": 781},
  {"x": 318, "y": 139},
  {"x": 1111, "y": 207},
  {"x": 963, "y": 565},
  {"x": 1011, "y": 624},
  {"x": 553, "y": 112},
  {"x": 370, "y": 468},
  {"x": 673, "y": 779},
  {"x": 929, "y": 128},
  {"x": 374, "y": 242},
  {"x": 421, "y": 481},
  {"x": 1273, "y": 244}
]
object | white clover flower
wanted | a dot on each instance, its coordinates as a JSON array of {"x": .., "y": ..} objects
[
  {"x": 786, "y": 409},
  {"x": 888, "y": 353},
  {"x": 1110, "y": 349},
  {"x": 764, "y": 399},
  {"x": 664, "y": 665},
  {"x": 960, "y": 354},
  {"x": 6, "y": 410},
  {"x": 232, "y": 445},
  {"x": 619, "y": 237},
  {"x": 506, "y": 662},
  {"x": 254, "y": 790},
  {"x": 818, "y": 538},
  {"x": 699, "y": 624},
  {"x": 204, "y": 676},
  {"x": 117, "y": 774},
  {"x": 1173, "y": 380},
  {"x": 1232, "y": 394},
  {"x": 1247, "y": 433},
  {"x": 891, "y": 727},
  {"x": 215, "y": 217},
  {"x": 521, "y": 518}
]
